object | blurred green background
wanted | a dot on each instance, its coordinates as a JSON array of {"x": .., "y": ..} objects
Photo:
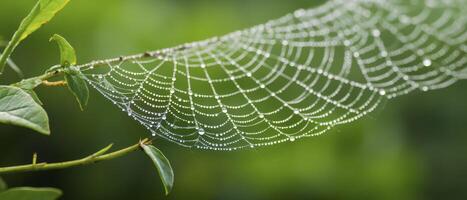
[{"x": 413, "y": 148}]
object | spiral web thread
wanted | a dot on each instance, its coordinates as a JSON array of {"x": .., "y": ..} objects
[{"x": 294, "y": 77}]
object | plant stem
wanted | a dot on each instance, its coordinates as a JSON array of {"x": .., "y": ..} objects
[
  {"x": 94, "y": 158},
  {"x": 9, "y": 50},
  {"x": 54, "y": 83}
]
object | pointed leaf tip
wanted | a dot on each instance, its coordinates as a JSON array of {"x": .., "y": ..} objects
[
  {"x": 78, "y": 86},
  {"x": 67, "y": 52},
  {"x": 162, "y": 165}
]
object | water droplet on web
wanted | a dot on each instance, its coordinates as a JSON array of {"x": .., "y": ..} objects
[
  {"x": 201, "y": 131},
  {"x": 376, "y": 33},
  {"x": 347, "y": 43},
  {"x": 384, "y": 54},
  {"x": 427, "y": 62},
  {"x": 382, "y": 92}
]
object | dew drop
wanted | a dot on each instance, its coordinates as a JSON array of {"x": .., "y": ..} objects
[
  {"x": 382, "y": 92},
  {"x": 384, "y": 54},
  {"x": 347, "y": 43},
  {"x": 376, "y": 33},
  {"x": 427, "y": 62},
  {"x": 201, "y": 131}
]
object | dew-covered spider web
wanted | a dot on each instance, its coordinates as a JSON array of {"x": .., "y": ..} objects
[{"x": 290, "y": 78}]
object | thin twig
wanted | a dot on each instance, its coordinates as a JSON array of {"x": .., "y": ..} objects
[
  {"x": 93, "y": 158},
  {"x": 54, "y": 83}
]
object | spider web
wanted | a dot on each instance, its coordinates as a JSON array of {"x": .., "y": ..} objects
[{"x": 290, "y": 78}]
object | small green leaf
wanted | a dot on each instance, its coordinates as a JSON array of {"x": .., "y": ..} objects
[
  {"x": 41, "y": 13},
  {"x": 3, "y": 185},
  {"x": 77, "y": 85},
  {"x": 67, "y": 53},
  {"x": 18, "y": 108},
  {"x": 28, "y": 193},
  {"x": 102, "y": 151},
  {"x": 163, "y": 166}
]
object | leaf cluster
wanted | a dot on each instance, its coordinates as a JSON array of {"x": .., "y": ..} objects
[{"x": 21, "y": 106}]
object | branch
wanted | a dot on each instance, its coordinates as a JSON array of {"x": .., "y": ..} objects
[
  {"x": 94, "y": 158},
  {"x": 54, "y": 83}
]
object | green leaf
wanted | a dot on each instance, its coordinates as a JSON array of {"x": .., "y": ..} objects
[
  {"x": 29, "y": 84},
  {"x": 3, "y": 185},
  {"x": 18, "y": 108},
  {"x": 41, "y": 13},
  {"x": 28, "y": 193},
  {"x": 34, "y": 96},
  {"x": 163, "y": 166},
  {"x": 67, "y": 53},
  {"x": 77, "y": 85}
]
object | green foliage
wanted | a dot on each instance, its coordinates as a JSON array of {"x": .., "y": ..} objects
[
  {"x": 34, "y": 96},
  {"x": 28, "y": 193},
  {"x": 163, "y": 166},
  {"x": 77, "y": 85},
  {"x": 73, "y": 76},
  {"x": 67, "y": 52},
  {"x": 18, "y": 108},
  {"x": 42, "y": 12}
]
